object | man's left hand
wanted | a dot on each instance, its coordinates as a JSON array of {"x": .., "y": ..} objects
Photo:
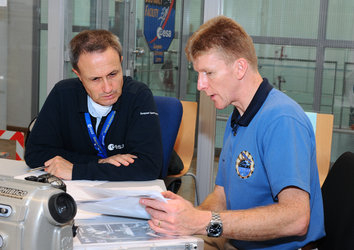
[
  {"x": 119, "y": 159},
  {"x": 59, "y": 167}
]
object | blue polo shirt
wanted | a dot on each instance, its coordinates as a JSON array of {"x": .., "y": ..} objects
[{"x": 271, "y": 147}]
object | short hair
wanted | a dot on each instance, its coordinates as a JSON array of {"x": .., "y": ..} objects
[
  {"x": 225, "y": 36},
  {"x": 88, "y": 41}
]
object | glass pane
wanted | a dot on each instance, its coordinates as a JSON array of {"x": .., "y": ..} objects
[
  {"x": 280, "y": 18},
  {"x": 81, "y": 13},
  {"x": 328, "y": 87},
  {"x": 162, "y": 76},
  {"x": 44, "y": 11},
  {"x": 192, "y": 80},
  {"x": 85, "y": 16},
  {"x": 290, "y": 69},
  {"x": 338, "y": 84},
  {"x": 348, "y": 97},
  {"x": 43, "y": 58},
  {"x": 3, "y": 68},
  {"x": 340, "y": 23},
  {"x": 159, "y": 70}
]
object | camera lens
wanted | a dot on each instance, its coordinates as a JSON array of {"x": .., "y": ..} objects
[{"x": 62, "y": 207}]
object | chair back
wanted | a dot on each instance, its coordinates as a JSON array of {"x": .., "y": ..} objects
[
  {"x": 185, "y": 141},
  {"x": 29, "y": 129},
  {"x": 170, "y": 114},
  {"x": 338, "y": 204},
  {"x": 323, "y": 126}
]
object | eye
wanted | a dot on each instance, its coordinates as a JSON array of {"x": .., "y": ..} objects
[{"x": 112, "y": 74}]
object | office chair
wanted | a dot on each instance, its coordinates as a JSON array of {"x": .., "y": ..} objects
[
  {"x": 170, "y": 114},
  {"x": 185, "y": 141},
  {"x": 338, "y": 204},
  {"x": 323, "y": 127},
  {"x": 29, "y": 129}
]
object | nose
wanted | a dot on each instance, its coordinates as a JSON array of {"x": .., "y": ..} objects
[
  {"x": 107, "y": 85},
  {"x": 202, "y": 81}
]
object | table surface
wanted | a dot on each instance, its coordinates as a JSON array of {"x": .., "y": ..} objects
[
  {"x": 12, "y": 167},
  {"x": 16, "y": 168}
]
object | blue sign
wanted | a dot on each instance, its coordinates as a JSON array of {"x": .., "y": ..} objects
[{"x": 159, "y": 23}]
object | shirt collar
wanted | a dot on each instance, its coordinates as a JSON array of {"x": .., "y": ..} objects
[
  {"x": 252, "y": 109},
  {"x": 97, "y": 110}
]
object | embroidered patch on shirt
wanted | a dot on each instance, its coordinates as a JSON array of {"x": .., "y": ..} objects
[
  {"x": 149, "y": 113},
  {"x": 113, "y": 147},
  {"x": 244, "y": 165}
]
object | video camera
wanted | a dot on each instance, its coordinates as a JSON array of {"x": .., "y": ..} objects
[{"x": 35, "y": 215}]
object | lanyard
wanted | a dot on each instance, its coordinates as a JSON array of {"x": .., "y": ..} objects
[{"x": 99, "y": 143}]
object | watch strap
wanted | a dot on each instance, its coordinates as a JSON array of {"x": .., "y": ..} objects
[
  {"x": 215, "y": 227},
  {"x": 215, "y": 217}
]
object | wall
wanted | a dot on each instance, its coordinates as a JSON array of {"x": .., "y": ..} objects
[
  {"x": 3, "y": 66},
  {"x": 19, "y": 62}
]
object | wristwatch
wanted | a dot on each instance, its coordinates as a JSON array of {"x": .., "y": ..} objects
[{"x": 214, "y": 228}]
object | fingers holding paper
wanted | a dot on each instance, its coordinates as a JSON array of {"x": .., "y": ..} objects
[{"x": 176, "y": 217}]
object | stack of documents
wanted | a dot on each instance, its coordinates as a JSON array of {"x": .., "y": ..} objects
[
  {"x": 110, "y": 198},
  {"x": 121, "y": 201}
]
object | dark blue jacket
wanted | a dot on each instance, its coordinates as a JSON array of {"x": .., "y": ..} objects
[{"x": 60, "y": 129}]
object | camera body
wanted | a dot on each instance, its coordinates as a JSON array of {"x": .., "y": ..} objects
[{"x": 35, "y": 215}]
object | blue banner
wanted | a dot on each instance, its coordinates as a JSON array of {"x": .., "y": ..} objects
[{"x": 159, "y": 23}]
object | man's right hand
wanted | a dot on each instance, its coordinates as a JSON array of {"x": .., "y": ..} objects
[
  {"x": 59, "y": 167},
  {"x": 119, "y": 159}
]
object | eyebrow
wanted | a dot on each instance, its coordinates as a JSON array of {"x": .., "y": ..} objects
[{"x": 96, "y": 77}]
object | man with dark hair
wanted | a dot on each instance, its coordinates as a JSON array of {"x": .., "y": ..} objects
[
  {"x": 267, "y": 193},
  {"x": 101, "y": 125}
]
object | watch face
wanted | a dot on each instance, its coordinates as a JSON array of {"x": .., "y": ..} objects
[{"x": 214, "y": 229}]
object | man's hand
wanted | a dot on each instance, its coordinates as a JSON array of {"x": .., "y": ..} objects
[
  {"x": 59, "y": 167},
  {"x": 176, "y": 217},
  {"x": 119, "y": 159}
]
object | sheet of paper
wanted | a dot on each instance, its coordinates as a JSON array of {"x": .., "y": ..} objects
[
  {"x": 32, "y": 173},
  {"x": 93, "y": 199},
  {"x": 116, "y": 201}
]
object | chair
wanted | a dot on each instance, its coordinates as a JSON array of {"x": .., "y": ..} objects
[
  {"x": 170, "y": 113},
  {"x": 18, "y": 137},
  {"x": 323, "y": 127},
  {"x": 185, "y": 141},
  {"x": 338, "y": 205},
  {"x": 29, "y": 129}
]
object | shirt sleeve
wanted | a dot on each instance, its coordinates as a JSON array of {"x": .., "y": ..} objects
[
  {"x": 47, "y": 138},
  {"x": 288, "y": 155}
]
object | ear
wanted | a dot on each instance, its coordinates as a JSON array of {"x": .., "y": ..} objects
[
  {"x": 77, "y": 73},
  {"x": 241, "y": 67}
]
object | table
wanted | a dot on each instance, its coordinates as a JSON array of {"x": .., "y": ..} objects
[{"x": 112, "y": 232}]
